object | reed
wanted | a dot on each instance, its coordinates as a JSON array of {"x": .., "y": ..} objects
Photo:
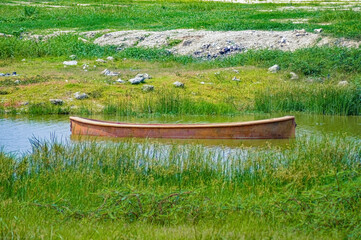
[
  {"x": 311, "y": 185},
  {"x": 320, "y": 98}
]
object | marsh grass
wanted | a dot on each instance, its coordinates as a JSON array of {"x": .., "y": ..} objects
[
  {"x": 320, "y": 98},
  {"x": 312, "y": 185}
]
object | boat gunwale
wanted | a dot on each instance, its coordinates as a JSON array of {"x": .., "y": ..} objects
[{"x": 180, "y": 126}]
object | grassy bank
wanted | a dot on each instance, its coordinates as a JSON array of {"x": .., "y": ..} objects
[
  {"x": 310, "y": 188},
  {"x": 209, "y": 88},
  {"x": 339, "y": 20}
]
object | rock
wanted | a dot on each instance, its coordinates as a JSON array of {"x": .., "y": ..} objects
[
  {"x": 120, "y": 81},
  {"x": 17, "y": 81},
  {"x": 70, "y": 63},
  {"x": 24, "y": 103},
  {"x": 178, "y": 84},
  {"x": 107, "y": 72},
  {"x": 14, "y": 74},
  {"x": 202, "y": 82},
  {"x": 2, "y": 74},
  {"x": 236, "y": 71},
  {"x": 342, "y": 83},
  {"x": 82, "y": 39},
  {"x": 100, "y": 60},
  {"x": 236, "y": 79},
  {"x": 23, "y": 60},
  {"x": 81, "y": 96},
  {"x": 274, "y": 68},
  {"x": 110, "y": 58},
  {"x": 300, "y": 33},
  {"x": 72, "y": 56},
  {"x": 294, "y": 76},
  {"x": 56, "y": 101},
  {"x": 148, "y": 88},
  {"x": 85, "y": 66},
  {"x": 318, "y": 30},
  {"x": 136, "y": 80},
  {"x": 144, "y": 75},
  {"x": 283, "y": 40}
]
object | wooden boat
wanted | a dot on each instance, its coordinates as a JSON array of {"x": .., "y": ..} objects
[{"x": 276, "y": 128}]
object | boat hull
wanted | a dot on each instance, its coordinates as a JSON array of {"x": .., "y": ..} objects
[{"x": 276, "y": 128}]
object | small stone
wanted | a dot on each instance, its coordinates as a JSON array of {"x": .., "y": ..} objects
[
  {"x": 107, "y": 72},
  {"x": 178, "y": 84},
  {"x": 70, "y": 63},
  {"x": 120, "y": 81},
  {"x": 56, "y": 101},
  {"x": 100, "y": 60},
  {"x": 294, "y": 76},
  {"x": 82, "y": 39},
  {"x": 110, "y": 58},
  {"x": 72, "y": 56},
  {"x": 17, "y": 81},
  {"x": 283, "y": 40},
  {"x": 85, "y": 66},
  {"x": 81, "y": 96},
  {"x": 202, "y": 83},
  {"x": 318, "y": 30},
  {"x": 136, "y": 80},
  {"x": 24, "y": 103},
  {"x": 236, "y": 79},
  {"x": 23, "y": 60},
  {"x": 144, "y": 75},
  {"x": 235, "y": 70},
  {"x": 274, "y": 68},
  {"x": 148, "y": 88},
  {"x": 342, "y": 83}
]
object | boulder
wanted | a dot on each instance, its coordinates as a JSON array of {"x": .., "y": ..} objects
[
  {"x": 274, "y": 68},
  {"x": 136, "y": 80},
  {"x": 148, "y": 88}
]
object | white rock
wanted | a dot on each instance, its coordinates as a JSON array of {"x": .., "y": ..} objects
[
  {"x": 274, "y": 68},
  {"x": 17, "y": 81},
  {"x": 318, "y": 30},
  {"x": 294, "y": 76},
  {"x": 136, "y": 80},
  {"x": 178, "y": 84},
  {"x": 202, "y": 82},
  {"x": 107, "y": 72},
  {"x": 236, "y": 79},
  {"x": 342, "y": 83},
  {"x": 120, "y": 81},
  {"x": 110, "y": 58},
  {"x": 82, "y": 39},
  {"x": 80, "y": 96},
  {"x": 100, "y": 60},
  {"x": 148, "y": 88},
  {"x": 70, "y": 63},
  {"x": 72, "y": 56},
  {"x": 23, "y": 60}
]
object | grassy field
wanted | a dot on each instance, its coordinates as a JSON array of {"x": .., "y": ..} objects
[
  {"x": 307, "y": 189},
  {"x": 162, "y": 15}
]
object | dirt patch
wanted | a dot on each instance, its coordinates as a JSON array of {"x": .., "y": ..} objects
[{"x": 212, "y": 44}]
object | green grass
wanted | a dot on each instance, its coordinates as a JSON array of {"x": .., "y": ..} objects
[
  {"x": 309, "y": 187},
  {"x": 165, "y": 15}
]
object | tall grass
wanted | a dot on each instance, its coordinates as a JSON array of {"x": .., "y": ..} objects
[
  {"x": 318, "y": 98},
  {"x": 311, "y": 185}
]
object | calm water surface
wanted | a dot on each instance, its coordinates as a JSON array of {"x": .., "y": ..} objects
[{"x": 16, "y": 131}]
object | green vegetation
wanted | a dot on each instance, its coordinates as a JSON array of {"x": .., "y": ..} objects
[
  {"x": 165, "y": 15},
  {"x": 312, "y": 186}
]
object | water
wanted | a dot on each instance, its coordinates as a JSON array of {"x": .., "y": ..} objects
[{"x": 15, "y": 131}]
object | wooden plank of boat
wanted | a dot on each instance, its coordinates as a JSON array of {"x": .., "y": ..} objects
[{"x": 275, "y": 128}]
